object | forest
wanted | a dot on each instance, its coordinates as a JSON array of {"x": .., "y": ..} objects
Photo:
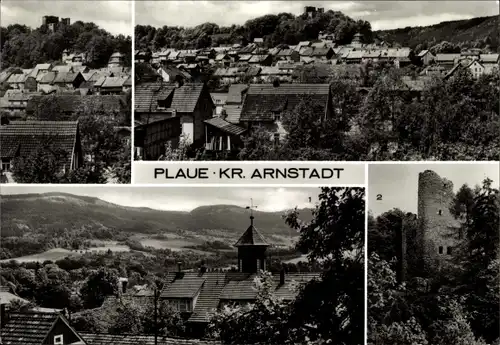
[
  {"x": 457, "y": 304},
  {"x": 283, "y": 28},
  {"x": 25, "y": 47}
]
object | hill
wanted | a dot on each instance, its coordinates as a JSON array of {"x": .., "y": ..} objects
[
  {"x": 476, "y": 32},
  {"x": 59, "y": 213}
]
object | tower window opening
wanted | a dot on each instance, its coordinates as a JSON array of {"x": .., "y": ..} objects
[
  {"x": 440, "y": 249},
  {"x": 440, "y": 212},
  {"x": 448, "y": 250}
]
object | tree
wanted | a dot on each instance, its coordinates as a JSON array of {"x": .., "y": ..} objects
[
  {"x": 258, "y": 146},
  {"x": 98, "y": 285},
  {"x": 42, "y": 165}
]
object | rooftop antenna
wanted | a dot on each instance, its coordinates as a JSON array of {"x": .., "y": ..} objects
[{"x": 251, "y": 207}]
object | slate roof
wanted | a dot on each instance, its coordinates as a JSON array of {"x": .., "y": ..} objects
[
  {"x": 124, "y": 339},
  {"x": 20, "y": 138},
  {"x": 263, "y": 99},
  {"x": 184, "y": 98},
  {"x": 30, "y": 328},
  {"x": 225, "y": 126},
  {"x": 251, "y": 237}
]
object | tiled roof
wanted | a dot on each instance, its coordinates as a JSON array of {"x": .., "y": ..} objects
[
  {"x": 184, "y": 288},
  {"x": 32, "y": 328},
  {"x": 235, "y": 93},
  {"x": 124, "y": 339},
  {"x": 231, "y": 286},
  {"x": 17, "y": 78},
  {"x": 233, "y": 113},
  {"x": 184, "y": 98},
  {"x": 251, "y": 237},
  {"x": 47, "y": 78},
  {"x": 65, "y": 77},
  {"x": 113, "y": 82},
  {"x": 225, "y": 126},
  {"x": 27, "y": 329},
  {"x": 23, "y": 137},
  {"x": 263, "y": 99}
]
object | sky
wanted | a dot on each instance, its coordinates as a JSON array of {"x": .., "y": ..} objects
[
  {"x": 381, "y": 14},
  {"x": 185, "y": 199},
  {"x": 113, "y": 16},
  {"x": 397, "y": 183}
]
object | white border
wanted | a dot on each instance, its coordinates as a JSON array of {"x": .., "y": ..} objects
[{"x": 132, "y": 135}]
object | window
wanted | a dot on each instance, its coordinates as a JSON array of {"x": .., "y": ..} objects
[
  {"x": 258, "y": 264},
  {"x": 440, "y": 249},
  {"x": 183, "y": 305},
  {"x": 277, "y": 117},
  {"x": 448, "y": 250},
  {"x": 440, "y": 212},
  {"x": 58, "y": 340},
  {"x": 5, "y": 166}
]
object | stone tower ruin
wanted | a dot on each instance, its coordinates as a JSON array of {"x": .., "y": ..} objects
[{"x": 438, "y": 229}]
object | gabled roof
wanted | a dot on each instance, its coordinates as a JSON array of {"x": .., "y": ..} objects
[
  {"x": 263, "y": 99},
  {"x": 185, "y": 98},
  {"x": 20, "y": 138},
  {"x": 232, "y": 286},
  {"x": 63, "y": 68},
  {"x": 111, "y": 82},
  {"x": 225, "y": 126},
  {"x": 489, "y": 58},
  {"x": 48, "y": 78},
  {"x": 32, "y": 328},
  {"x": 447, "y": 57},
  {"x": 235, "y": 93},
  {"x": 251, "y": 237},
  {"x": 17, "y": 78},
  {"x": 66, "y": 77}
]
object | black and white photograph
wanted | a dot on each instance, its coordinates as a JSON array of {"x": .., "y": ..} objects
[
  {"x": 317, "y": 80},
  {"x": 118, "y": 265},
  {"x": 66, "y": 91},
  {"x": 433, "y": 246}
]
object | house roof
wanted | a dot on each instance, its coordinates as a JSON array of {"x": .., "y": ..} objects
[
  {"x": 235, "y": 93},
  {"x": 6, "y": 297},
  {"x": 263, "y": 99},
  {"x": 31, "y": 328},
  {"x": 17, "y": 78},
  {"x": 174, "y": 72},
  {"x": 65, "y": 77},
  {"x": 489, "y": 58},
  {"x": 110, "y": 82},
  {"x": 20, "y": 138},
  {"x": 129, "y": 339},
  {"x": 232, "y": 286},
  {"x": 185, "y": 98},
  {"x": 251, "y": 237},
  {"x": 447, "y": 57},
  {"x": 184, "y": 288},
  {"x": 233, "y": 113},
  {"x": 225, "y": 126},
  {"x": 63, "y": 68},
  {"x": 48, "y": 78}
]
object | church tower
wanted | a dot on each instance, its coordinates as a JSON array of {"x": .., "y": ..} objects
[{"x": 251, "y": 250}]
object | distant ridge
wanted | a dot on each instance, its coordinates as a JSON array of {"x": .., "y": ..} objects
[{"x": 47, "y": 212}]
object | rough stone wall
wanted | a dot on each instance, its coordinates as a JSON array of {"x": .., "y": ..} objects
[{"x": 437, "y": 225}]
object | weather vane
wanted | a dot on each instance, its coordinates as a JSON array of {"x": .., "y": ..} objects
[{"x": 251, "y": 207}]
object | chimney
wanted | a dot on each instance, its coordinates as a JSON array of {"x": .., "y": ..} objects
[
  {"x": 4, "y": 315},
  {"x": 179, "y": 266},
  {"x": 282, "y": 276}
]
